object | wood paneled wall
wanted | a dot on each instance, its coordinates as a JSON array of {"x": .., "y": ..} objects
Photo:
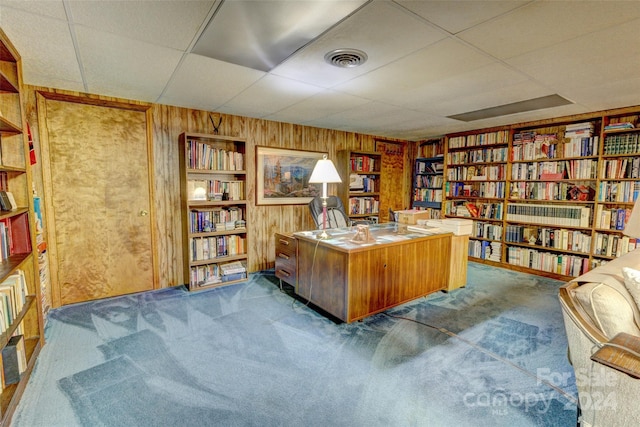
[{"x": 263, "y": 221}]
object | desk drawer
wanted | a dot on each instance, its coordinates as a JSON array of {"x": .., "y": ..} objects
[{"x": 286, "y": 258}]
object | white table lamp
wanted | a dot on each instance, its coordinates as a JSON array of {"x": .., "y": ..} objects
[{"x": 324, "y": 172}]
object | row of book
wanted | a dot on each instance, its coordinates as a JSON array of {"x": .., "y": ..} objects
[
  {"x": 491, "y": 189},
  {"x": 214, "y": 189},
  {"x": 581, "y": 146},
  {"x": 473, "y": 209},
  {"x": 7, "y": 201},
  {"x": 204, "y": 156},
  {"x": 552, "y": 238},
  {"x": 14, "y": 236},
  {"x": 485, "y": 250},
  {"x": 429, "y": 167},
  {"x": 204, "y": 248},
  {"x": 619, "y": 126},
  {"x": 204, "y": 275},
  {"x": 568, "y": 265},
  {"x": 547, "y": 190},
  {"x": 488, "y": 138},
  {"x": 477, "y": 173},
  {"x": 530, "y": 145},
  {"x": 427, "y": 195},
  {"x": 625, "y": 191},
  {"x": 486, "y": 155},
  {"x": 558, "y": 215},
  {"x": 365, "y": 184},
  {"x": 627, "y": 167},
  {"x": 611, "y": 218},
  {"x": 205, "y": 221},
  {"x": 613, "y": 245},
  {"x": 627, "y": 143},
  {"x": 486, "y": 230},
  {"x": 363, "y": 164},
  {"x": 363, "y": 205},
  {"x": 13, "y": 297},
  {"x": 563, "y": 169},
  {"x": 231, "y": 271},
  {"x": 429, "y": 181}
]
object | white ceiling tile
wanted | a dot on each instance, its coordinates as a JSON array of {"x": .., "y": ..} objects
[
  {"x": 269, "y": 95},
  {"x": 206, "y": 83},
  {"x": 165, "y": 23},
  {"x": 430, "y": 65},
  {"x": 47, "y": 8},
  {"x": 46, "y": 49},
  {"x": 455, "y": 16},
  {"x": 123, "y": 67},
  {"x": 544, "y": 24},
  {"x": 586, "y": 61},
  {"x": 382, "y": 30},
  {"x": 317, "y": 106}
]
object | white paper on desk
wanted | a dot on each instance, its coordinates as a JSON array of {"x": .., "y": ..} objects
[
  {"x": 394, "y": 238},
  {"x": 425, "y": 230}
]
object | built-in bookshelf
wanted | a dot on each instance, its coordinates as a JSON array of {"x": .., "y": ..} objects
[
  {"x": 360, "y": 190},
  {"x": 476, "y": 183},
  {"x": 428, "y": 177},
  {"x": 214, "y": 210},
  {"x": 617, "y": 187},
  {"x": 550, "y": 197},
  {"x": 21, "y": 320}
]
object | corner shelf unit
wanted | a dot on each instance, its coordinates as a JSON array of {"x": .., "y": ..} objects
[
  {"x": 18, "y": 261},
  {"x": 555, "y": 198},
  {"x": 427, "y": 183},
  {"x": 360, "y": 189},
  {"x": 214, "y": 210}
]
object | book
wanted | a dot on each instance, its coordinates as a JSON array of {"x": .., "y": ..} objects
[{"x": 12, "y": 354}]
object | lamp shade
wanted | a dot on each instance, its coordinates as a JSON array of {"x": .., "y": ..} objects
[
  {"x": 632, "y": 228},
  {"x": 324, "y": 172}
]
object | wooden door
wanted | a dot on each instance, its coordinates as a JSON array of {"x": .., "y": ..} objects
[
  {"x": 394, "y": 175},
  {"x": 97, "y": 199}
]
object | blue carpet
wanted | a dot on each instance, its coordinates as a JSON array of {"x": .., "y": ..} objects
[{"x": 491, "y": 354}]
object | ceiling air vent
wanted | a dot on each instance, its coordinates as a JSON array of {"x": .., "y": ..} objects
[{"x": 346, "y": 58}]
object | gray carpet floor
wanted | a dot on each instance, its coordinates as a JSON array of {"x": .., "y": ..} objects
[{"x": 490, "y": 354}]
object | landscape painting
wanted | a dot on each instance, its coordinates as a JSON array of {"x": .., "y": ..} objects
[{"x": 282, "y": 176}]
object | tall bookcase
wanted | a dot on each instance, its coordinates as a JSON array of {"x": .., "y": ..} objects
[
  {"x": 360, "y": 190},
  {"x": 550, "y": 197},
  {"x": 214, "y": 210},
  {"x": 476, "y": 173},
  {"x": 21, "y": 328},
  {"x": 428, "y": 177}
]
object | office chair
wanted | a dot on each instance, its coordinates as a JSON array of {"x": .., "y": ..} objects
[
  {"x": 336, "y": 214},
  {"x": 392, "y": 215}
]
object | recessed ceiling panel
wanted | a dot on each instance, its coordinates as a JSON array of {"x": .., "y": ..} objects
[
  {"x": 513, "y": 108},
  {"x": 262, "y": 34}
]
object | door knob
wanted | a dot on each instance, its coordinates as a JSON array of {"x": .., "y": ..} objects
[{"x": 143, "y": 212}]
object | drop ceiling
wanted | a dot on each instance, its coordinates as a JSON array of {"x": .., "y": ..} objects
[{"x": 428, "y": 61}]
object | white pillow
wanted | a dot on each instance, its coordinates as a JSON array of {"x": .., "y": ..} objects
[
  {"x": 611, "y": 311},
  {"x": 632, "y": 283}
]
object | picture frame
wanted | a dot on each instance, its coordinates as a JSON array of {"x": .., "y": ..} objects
[{"x": 282, "y": 176}]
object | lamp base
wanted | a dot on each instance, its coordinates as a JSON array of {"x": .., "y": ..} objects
[{"x": 323, "y": 236}]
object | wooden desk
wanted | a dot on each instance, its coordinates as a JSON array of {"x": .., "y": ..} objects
[{"x": 352, "y": 281}]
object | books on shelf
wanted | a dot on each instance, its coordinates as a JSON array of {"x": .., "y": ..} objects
[
  {"x": 564, "y": 264},
  {"x": 214, "y": 189},
  {"x": 235, "y": 270},
  {"x": 204, "y": 156},
  {"x": 563, "y": 215}
]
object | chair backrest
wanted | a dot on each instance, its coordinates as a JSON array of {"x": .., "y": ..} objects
[
  {"x": 336, "y": 214},
  {"x": 392, "y": 216}
]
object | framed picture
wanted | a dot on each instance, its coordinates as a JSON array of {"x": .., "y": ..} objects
[{"x": 282, "y": 176}]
